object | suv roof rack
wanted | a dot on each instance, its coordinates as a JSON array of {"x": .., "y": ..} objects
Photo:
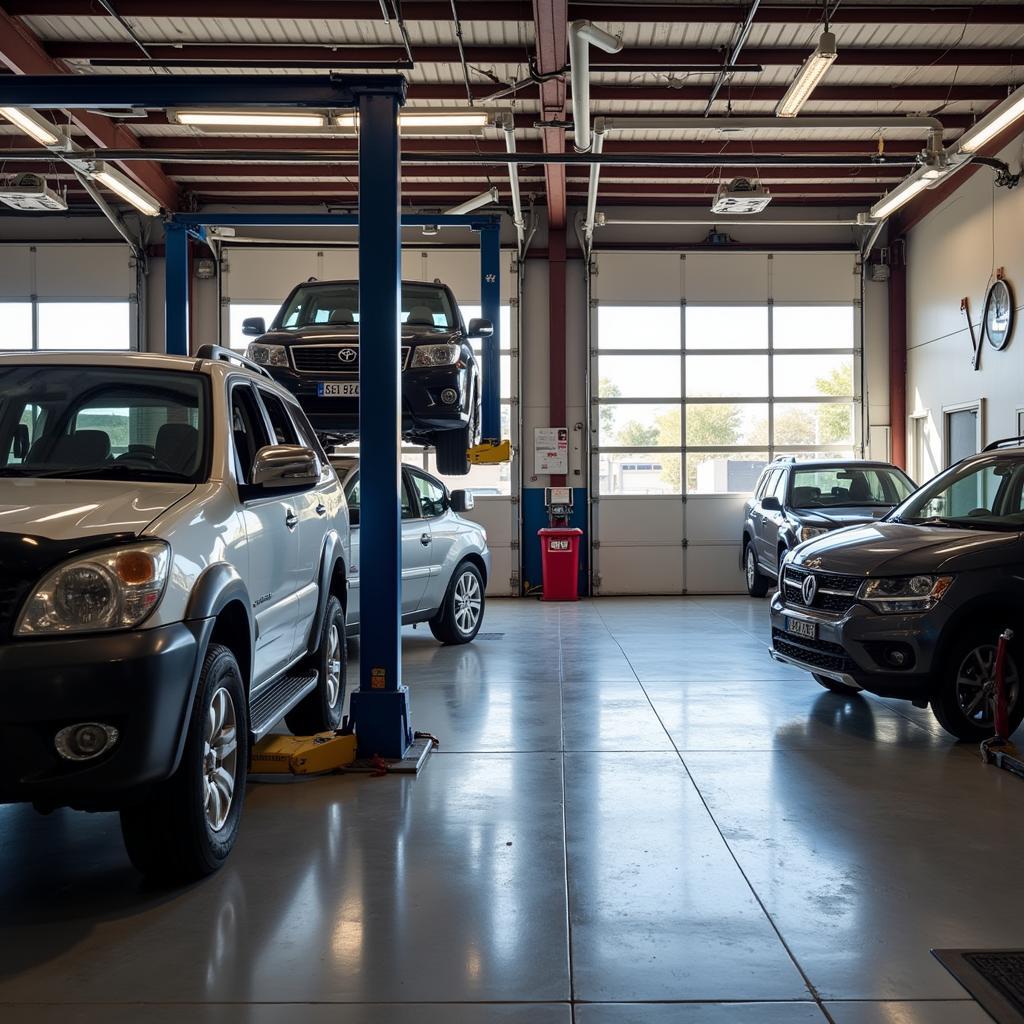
[
  {"x": 227, "y": 356},
  {"x": 784, "y": 458},
  {"x": 1005, "y": 442}
]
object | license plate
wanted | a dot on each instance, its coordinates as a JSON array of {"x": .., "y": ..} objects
[
  {"x": 798, "y": 627},
  {"x": 343, "y": 389}
]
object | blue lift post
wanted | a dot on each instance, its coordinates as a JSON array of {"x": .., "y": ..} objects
[{"x": 490, "y": 307}]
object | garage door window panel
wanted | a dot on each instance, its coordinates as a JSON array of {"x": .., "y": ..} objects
[
  {"x": 807, "y": 375},
  {"x": 640, "y": 473},
  {"x": 726, "y": 376},
  {"x": 814, "y": 423},
  {"x": 724, "y": 472},
  {"x": 15, "y": 326},
  {"x": 813, "y": 327},
  {"x": 84, "y": 325},
  {"x": 638, "y": 425},
  {"x": 726, "y": 424},
  {"x": 723, "y": 327},
  {"x": 639, "y": 327}
]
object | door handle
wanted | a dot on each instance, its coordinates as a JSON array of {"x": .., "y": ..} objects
[
  {"x": 424, "y": 539},
  {"x": 321, "y": 509},
  {"x": 291, "y": 520}
]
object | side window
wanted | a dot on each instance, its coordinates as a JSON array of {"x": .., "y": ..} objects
[
  {"x": 247, "y": 429},
  {"x": 27, "y": 431},
  {"x": 781, "y": 485},
  {"x": 307, "y": 435},
  {"x": 762, "y": 483},
  {"x": 408, "y": 508},
  {"x": 768, "y": 484},
  {"x": 431, "y": 495},
  {"x": 284, "y": 429},
  {"x": 352, "y": 497}
]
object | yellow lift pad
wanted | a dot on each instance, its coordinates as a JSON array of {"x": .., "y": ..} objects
[
  {"x": 490, "y": 453},
  {"x": 303, "y": 755}
]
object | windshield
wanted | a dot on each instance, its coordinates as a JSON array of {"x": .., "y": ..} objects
[
  {"x": 981, "y": 494},
  {"x": 102, "y": 422},
  {"x": 337, "y": 305},
  {"x": 848, "y": 486}
]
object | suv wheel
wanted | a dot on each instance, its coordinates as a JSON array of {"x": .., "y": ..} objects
[
  {"x": 837, "y": 687},
  {"x": 757, "y": 582},
  {"x": 964, "y": 700},
  {"x": 461, "y": 614},
  {"x": 320, "y": 711},
  {"x": 188, "y": 825},
  {"x": 452, "y": 445}
]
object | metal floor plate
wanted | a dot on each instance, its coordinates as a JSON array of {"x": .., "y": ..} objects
[{"x": 995, "y": 977}]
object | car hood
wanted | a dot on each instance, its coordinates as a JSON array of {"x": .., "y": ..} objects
[
  {"x": 897, "y": 549},
  {"x": 61, "y": 509},
  {"x": 329, "y": 333},
  {"x": 835, "y": 518}
]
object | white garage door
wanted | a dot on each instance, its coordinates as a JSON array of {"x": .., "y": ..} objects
[{"x": 703, "y": 368}]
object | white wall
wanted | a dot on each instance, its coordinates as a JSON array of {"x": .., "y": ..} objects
[{"x": 955, "y": 252}]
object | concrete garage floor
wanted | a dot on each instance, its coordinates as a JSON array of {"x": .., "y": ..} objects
[{"x": 636, "y": 816}]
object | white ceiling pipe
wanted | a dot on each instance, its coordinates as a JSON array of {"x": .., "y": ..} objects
[
  {"x": 484, "y": 199},
  {"x": 602, "y": 220},
  {"x": 925, "y": 124},
  {"x": 595, "y": 175},
  {"x": 507, "y": 124},
  {"x": 583, "y": 34}
]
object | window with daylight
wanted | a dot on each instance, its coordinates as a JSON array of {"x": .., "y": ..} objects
[{"x": 697, "y": 398}]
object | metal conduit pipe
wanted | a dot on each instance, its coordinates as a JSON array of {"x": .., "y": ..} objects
[
  {"x": 595, "y": 175},
  {"x": 711, "y": 222},
  {"x": 925, "y": 124},
  {"x": 508, "y": 127},
  {"x": 583, "y": 34}
]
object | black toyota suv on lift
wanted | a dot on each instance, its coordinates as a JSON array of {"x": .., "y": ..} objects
[
  {"x": 312, "y": 348},
  {"x": 912, "y": 606}
]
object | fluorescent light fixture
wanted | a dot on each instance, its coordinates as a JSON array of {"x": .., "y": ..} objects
[
  {"x": 32, "y": 124},
  {"x": 123, "y": 186},
  {"x": 993, "y": 123},
  {"x": 429, "y": 119},
  {"x": 900, "y": 195},
  {"x": 249, "y": 118},
  {"x": 809, "y": 76},
  {"x": 484, "y": 199}
]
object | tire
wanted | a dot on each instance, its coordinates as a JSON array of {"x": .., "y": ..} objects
[
  {"x": 320, "y": 711},
  {"x": 451, "y": 446},
  {"x": 967, "y": 676},
  {"x": 757, "y": 582},
  {"x": 461, "y": 614},
  {"x": 187, "y": 827},
  {"x": 837, "y": 687}
]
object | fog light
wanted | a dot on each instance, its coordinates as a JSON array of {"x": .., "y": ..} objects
[
  {"x": 449, "y": 396},
  {"x": 899, "y": 656},
  {"x": 85, "y": 741}
]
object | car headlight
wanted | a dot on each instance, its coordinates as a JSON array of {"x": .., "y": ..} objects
[
  {"x": 112, "y": 589},
  {"x": 807, "y": 532},
  {"x": 435, "y": 355},
  {"x": 901, "y": 594},
  {"x": 268, "y": 355}
]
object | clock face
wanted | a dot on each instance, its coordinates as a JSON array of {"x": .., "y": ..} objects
[{"x": 999, "y": 315}]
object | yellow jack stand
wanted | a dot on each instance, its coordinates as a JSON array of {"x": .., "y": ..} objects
[
  {"x": 303, "y": 755},
  {"x": 490, "y": 453}
]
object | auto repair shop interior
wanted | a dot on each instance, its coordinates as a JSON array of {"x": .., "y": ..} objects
[{"x": 511, "y": 512}]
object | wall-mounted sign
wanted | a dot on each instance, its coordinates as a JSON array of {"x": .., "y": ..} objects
[
  {"x": 997, "y": 321},
  {"x": 551, "y": 450}
]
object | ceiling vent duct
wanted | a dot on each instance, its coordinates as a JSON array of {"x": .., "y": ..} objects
[
  {"x": 30, "y": 192},
  {"x": 741, "y": 195}
]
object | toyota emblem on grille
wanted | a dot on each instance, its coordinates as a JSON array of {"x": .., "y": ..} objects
[
  {"x": 808, "y": 589},
  {"x": 347, "y": 355}
]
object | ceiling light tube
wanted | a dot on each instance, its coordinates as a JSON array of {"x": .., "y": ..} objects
[
  {"x": 484, "y": 199},
  {"x": 429, "y": 119},
  {"x": 900, "y": 195},
  {"x": 32, "y": 124},
  {"x": 249, "y": 118},
  {"x": 993, "y": 123},
  {"x": 123, "y": 186},
  {"x": 809, "y": 76}
]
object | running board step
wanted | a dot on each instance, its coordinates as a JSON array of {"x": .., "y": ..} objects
[{"x": 272, "y": 703}]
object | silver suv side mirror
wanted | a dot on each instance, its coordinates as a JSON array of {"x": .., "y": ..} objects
[
  {"x": 286, "y": 465},
  {"x": 461, "y": 501}
]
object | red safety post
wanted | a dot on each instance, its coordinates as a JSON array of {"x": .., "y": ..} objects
[{"x": 1002, "y": 715}]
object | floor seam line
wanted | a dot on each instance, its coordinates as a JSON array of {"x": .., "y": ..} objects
[{"x": 565, "y": 822}]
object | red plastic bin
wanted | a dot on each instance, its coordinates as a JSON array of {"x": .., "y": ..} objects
[{"x": 560, "y": 561}]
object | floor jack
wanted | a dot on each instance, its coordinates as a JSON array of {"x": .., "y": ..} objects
[{"x": 999, "y": 750}]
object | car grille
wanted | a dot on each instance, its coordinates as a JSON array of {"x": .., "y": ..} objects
[
  {"x": 836, "y": 594},
  {"x": 817, "y": 653},
  {"x": 324, "y": 359}
]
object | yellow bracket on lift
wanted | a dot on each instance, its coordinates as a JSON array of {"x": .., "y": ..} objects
[
  {"x": 302, "y": 755},
  {"x": 490, "y": 453}
]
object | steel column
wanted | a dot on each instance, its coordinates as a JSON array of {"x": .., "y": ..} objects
[
  {"x": 490, "y": 308},
  {"x": 380, "y": 707},
  {"x": 898, "y": 356},
  {"x": 176, "y": 286}
]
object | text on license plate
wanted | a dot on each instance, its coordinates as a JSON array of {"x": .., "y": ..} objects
[
  {"x": 342, "y": 389},
  {"x": 798, "y": 627}
]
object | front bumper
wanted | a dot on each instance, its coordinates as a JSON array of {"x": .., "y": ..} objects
[
  {"x": 141, "y": 682},
  {"x": 852, "y": 649},
  {"x": 422, "y": 408}
]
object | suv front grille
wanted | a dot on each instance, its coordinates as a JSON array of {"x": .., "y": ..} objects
[
  {"x": 817, "y": 653},
  {"x": 326, "y": 359},
  {"x": 836, "y": 594}
]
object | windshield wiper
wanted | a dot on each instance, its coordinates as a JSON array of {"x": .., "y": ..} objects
[
  {"x": 14, "y": 471},
  {"x": 116, "y": 471},
  {"x": 964, "y": 524}
]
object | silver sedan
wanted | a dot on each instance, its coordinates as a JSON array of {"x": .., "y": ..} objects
[{"x": 445, "y": 559}]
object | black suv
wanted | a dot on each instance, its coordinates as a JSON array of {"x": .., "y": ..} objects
[
  {"x": 913, "y": 606},
  {"x": 794, "y": 501},
  {"x": 312, "y": 348}
]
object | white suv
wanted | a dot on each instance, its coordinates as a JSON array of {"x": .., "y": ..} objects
[{"x": 173, "y": 546}]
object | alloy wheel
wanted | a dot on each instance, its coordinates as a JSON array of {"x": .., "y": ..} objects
[
  {"x": 751, "y": 567},
  {"x": 976, "y": 685},
  {"x": 220, "y": 756},
  {"x": 333, "y": 666},
  {"x": 468, "y": 602}
]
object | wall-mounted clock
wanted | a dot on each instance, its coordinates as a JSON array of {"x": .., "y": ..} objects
[{"x": 998, "y": 318}]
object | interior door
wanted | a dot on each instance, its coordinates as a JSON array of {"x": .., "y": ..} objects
[{"x": 272, "y": 543}]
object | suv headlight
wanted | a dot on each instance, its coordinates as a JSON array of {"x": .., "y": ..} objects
[
  {"x": 268, "y": 355},
  {"x": 112, "y": 589},
  {"x": 902, "y": 594},
  {"x": 807, "y": 532},
  {"x": 435, "y": 355}
]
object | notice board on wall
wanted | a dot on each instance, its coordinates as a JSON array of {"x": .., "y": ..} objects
[{"x": 551, "y": 450}]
